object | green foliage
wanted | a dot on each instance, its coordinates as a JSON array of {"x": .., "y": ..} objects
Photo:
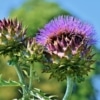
[
  {"x": 82, "y": 91},
  {"x": 97, "y": 58}
]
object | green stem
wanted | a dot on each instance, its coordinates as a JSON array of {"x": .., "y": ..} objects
[
  {"x": 21, "y": 79},
  {"x": 31, "y": 77},
  {"x": 68, "y": 89}
]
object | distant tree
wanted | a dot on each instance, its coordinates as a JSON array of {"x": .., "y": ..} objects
[{"x": 35, "y": 13}]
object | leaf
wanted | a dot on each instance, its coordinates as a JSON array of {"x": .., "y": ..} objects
[
  {"x": 39, "y": 95},
  {"x": 8, "y": 83}
]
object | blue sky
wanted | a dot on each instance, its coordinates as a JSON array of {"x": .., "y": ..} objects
[
  {"x": 7, "y": 5},
  {"x": 87, "y": 10}
]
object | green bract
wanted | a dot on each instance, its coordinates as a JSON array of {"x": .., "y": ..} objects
[{"x": 75, "y": 66}]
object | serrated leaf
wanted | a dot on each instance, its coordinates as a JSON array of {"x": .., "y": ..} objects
[
  {"x": 42, "y": 96},
  {"x": 8, "y": 83}
]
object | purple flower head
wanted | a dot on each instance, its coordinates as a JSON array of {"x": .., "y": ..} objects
[{"x": 63, "y": 33}]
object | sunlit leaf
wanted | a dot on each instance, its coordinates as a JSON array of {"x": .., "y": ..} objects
[{"x": 8, "y": 83}]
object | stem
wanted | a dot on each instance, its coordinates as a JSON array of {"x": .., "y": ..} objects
[
  {"x": 21, "y": 79},
  {"x": 31, "y": 77},
  {"x": 68, "y": 89}
]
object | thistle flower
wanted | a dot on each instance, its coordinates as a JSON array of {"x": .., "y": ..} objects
[
  {"x": 67, "y": 42},
  {"x": 12, "y": 35}
]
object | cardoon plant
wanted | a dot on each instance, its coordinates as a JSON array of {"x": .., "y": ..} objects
[
  {"x": 12, "y": 41},
  {"x": 68, "y": 49},
  {"x": 23, "y": 52}
]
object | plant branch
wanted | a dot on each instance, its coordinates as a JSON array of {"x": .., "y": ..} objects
[
  {"x": 31, "y": 77},
  {"x": 21, "y": 79},
  {"x": 69, "y": 88}
]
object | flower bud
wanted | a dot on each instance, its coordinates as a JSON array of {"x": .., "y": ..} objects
[
  {"x": 12, "y": 35},
  {"x": 34, "y": 50}
]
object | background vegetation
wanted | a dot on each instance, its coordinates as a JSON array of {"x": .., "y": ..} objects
[{"x": 34, "y": 14}]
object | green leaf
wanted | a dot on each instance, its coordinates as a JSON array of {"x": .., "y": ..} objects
[
  {"x": 39, "y": 95},
  {"x": 8, "y": 83}
]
